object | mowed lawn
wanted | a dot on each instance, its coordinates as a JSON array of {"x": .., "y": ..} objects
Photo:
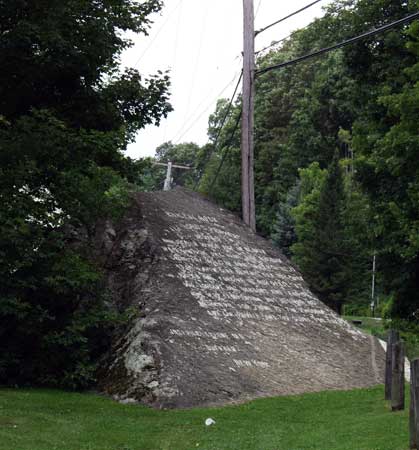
[{"x": 47, "y": 420}]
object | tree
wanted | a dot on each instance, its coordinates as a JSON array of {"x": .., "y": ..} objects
[
  {"x": 66, "y": 115},
  {"x": 388, "y": 170},
  {"x": 284, "y": 229},
  {"x": 185, "y": 154},
  {"x": 63, "y": 56},
  {"x": 220, "y": 159},
  {"x": 311, "y": 182},
  {"x": 369, "y": 90},
  {"x": 322, "y": 252}
]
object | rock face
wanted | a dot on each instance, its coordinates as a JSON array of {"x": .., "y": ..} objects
[{"x": 224, "y": 316}]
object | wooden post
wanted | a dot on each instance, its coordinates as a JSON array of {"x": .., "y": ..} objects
[
  {"x": 393, "y": 337},
  {"x": 168, "y": 180},
  {"x": 248, "y": 191},
  {"x": 397, "y": 376},
  {"x": 414, "y": 404},
  {"x": 373, "y": 304}
]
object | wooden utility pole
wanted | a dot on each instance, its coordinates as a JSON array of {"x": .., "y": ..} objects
[
  {"x": 392, "y": 338},
  {"x": 248, "y": 190},
  {"x": 168, "y": 181},
  {"x": 397, "y": 376},
  {"x": 414, "y": 404},
  {"x": 373, "y": 302}
]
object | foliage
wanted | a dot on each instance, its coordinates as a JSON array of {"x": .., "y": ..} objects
[
  {"x": 409, "y": 332},
  {"x": 67, "y": 60},
  {"x": 322, "y": 252},
  {"x": 142, "y": 174},
  {"x": 388, "y": 170},
  {"x": 222, "y": 177},
  {"x": 312, "y": 180},
  {"x": 284, "y": 235},
  {"x": 66, "y": 115},
  {"x": 331, "y": 420},
  {"x": 53, "y": 334},
  {"x": 185, "y": 154},
  {"x": 361, "y": 99},
  {"x": 371, "y": 325}
]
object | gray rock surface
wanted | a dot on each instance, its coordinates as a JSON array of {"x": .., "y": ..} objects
[{"x": 224, "y": 316}]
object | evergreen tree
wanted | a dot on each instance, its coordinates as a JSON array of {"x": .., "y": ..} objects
[
  {"x": 323, "y": 256},
  {"x": 284, "y": 229}
]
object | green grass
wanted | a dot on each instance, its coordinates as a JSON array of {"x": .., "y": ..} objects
[
  {"x": 370, "y": 325},
  {"x": 56, "y": 420},
  {"x": 378, "y": 328}
]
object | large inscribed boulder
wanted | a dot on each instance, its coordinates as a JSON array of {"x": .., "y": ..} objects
[{"x": 224, "y": 316}]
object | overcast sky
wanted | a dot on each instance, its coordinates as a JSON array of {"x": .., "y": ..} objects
[{"x": 200, "y": 41}]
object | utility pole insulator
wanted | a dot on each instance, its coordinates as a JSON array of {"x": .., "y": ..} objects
[{"x": 248, "y": 190}]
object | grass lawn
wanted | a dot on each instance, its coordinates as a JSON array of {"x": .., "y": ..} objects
[
  {"x": 47, "y": 420},
  {"x": 377, "y": 328},
  {"x": 370, "y": 325}
]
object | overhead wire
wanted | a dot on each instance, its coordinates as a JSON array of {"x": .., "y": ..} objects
[
  {"x": 182, "y": 131},
  {"x": 370, "y": 33},
  {"x": 198, "y": 56},
  {"x": 258, "y": 8},
  {"x": 367, "y": 34},
  {"x": 223, "y": 121},
  {"x": 287, "y": 17},
  {"x": 158, "y": 33},
  {"x": 274, "y": 43},
  {"x": 174, "y": 57},
  {"x": 228, "y": 109},
  {"x": 226, "y": 152}
]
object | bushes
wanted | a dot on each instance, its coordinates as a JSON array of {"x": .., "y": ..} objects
[
  {"x": 66, "y": 115},
  {"x": 409, "y": 332},
  {"x": 54, "y": 319},
  {"x": 57, "y": 324}
]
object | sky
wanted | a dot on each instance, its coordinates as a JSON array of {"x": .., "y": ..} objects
[{"x": 200, "y": 42}]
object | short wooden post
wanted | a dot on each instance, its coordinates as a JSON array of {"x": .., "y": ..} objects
[
  {"x": 397, "y": 376},
  {"x": 393, "y": 337},
  {"x": 414, "y": 404}
]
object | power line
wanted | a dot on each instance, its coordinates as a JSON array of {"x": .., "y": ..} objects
[
  {"x": 373, "y": 32},
  {"x": 198, "y": 56},
  {"x": 287, "y": 17},
  {"x": 228, "y": 109},
  {"x": 274, "y": 43},
  {"x": 257, "y": 9},
  {"x": 179, "y": 136},
  {"x": 175, "y": 53},
  {"x": 157, "y": 34},
  {"x": 223, "y": 121},
  {"x": 230, "y": 144}
]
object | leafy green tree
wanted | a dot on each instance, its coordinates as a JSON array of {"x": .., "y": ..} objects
[
  {"x": 186, "y": 154},
  {"x": 142, "y": 174},
  {"x": 221, "y": 176},
  {"x": 388, "y": 170},
  {"x": 366, "y": 91},
  {"x": 66, "y": 115},
  {"x": 64, "y": 56}
]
